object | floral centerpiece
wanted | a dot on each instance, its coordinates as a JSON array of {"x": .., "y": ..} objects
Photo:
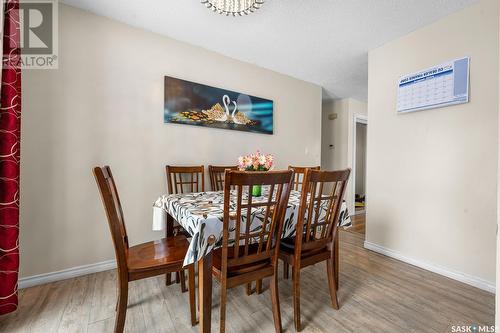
[{"x": 256, "y": 162}]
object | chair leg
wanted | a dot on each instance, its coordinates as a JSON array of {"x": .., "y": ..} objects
[
  {"x": 296, "y": 297},
  {"x": 121, "y": 307},
  {"x": 258, "y": 287},
  {"x": 192, "y": 296},
  {"x": 168, "y": 279},
  {"x": 330, "y": 267},
  {"x": 276, "y": 302},
  {"x": 249, "y": 288},
  {"x": 177, "y": 277},
  {"x": 336, "y": 261},
  {"x": 183, "y": 280},
  {"x": 223, "y": 300},
  {"x": 285, "y": 270}
]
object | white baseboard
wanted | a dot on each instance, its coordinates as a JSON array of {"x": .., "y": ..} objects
[
  {"x": 459, "y": 276},
  {"x": 69, "y": 273},
  {"x": 73, "y": 272}
]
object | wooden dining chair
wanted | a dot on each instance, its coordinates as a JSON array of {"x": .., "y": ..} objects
[
  {"x": 140, "y": 261},
  {"x": 316, "y": 229},
  {"x": 183, "y": 179},
  {"x": 217, "y": 176},
  {"x": 249, "y": 253},
  {"x": 298, "y": 179},
  {"x": 299, "y": 173}
]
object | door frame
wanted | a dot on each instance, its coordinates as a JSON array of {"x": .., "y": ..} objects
[{"x": 357, "y": 119}]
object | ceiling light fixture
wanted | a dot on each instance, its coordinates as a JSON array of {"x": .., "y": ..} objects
[{"x": 233, "y": 7}]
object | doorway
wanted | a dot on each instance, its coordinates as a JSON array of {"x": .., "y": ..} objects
[{"x": 359, "y": 174}]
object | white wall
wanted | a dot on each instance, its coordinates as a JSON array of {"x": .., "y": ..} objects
[
  {"x": 104, "y": 105},
  {"x": 340, "y": 133},
  {"x": 432, "y": 175}
]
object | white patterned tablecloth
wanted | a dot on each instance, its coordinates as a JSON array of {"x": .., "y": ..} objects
[{"x": 201, "y": 214}]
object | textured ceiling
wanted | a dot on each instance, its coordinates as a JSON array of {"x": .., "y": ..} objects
[{"x": 320, "y": 41}]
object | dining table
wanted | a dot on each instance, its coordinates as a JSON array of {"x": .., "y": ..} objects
[{"x": 201, "y": 215}]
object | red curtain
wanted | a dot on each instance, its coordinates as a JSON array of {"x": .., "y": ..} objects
[{"x": 10, "y": 131}]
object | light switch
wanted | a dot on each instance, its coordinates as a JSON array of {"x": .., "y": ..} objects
[{"x": 332, "y": 116}]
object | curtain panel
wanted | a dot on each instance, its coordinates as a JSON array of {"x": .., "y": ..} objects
[{"x": 10, "y": 131}]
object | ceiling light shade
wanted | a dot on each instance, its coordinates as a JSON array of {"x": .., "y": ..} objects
[{"x": 233, "y": 7}]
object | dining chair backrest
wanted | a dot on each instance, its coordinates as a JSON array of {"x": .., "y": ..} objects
[
  {"x": 299, "y": 173},
  {"x": 217, "y": 176},
  {"x": 258, "y": 240},
  {"x": 185, "y": 179},
  {"x": 320, "y": 205},
  {"x": 114, "y": 213}
]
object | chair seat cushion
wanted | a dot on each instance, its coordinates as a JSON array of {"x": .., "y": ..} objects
[
  {"x": 288, "y": 246},
  {"x": 168, "y": 251},
  {"x": 240, "y": 269}
]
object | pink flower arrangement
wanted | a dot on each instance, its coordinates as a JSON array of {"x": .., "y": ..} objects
[{"x": 256, "y": 162}]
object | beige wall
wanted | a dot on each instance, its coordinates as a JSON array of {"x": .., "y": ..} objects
[
  {"x": 432, "y": 175},
  {"x": 340, "y": 133},
  {"x": 105, "y": 106},
  {"x": 334, "y": 132},
  {"x": 360, "y": 165}
]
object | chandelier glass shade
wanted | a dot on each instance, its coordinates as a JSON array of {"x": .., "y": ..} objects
[{"x": 233, "y": 7}]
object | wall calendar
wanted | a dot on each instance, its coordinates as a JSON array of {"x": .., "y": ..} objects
[{"x": 434, "y": 87}]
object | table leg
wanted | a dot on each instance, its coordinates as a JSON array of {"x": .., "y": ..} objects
[
  {"x": 205, "y": 292},
  {"x": 169, "y": 232},
  {"x": 169, "y": 226},
  {"x": 336, "y": 250}
]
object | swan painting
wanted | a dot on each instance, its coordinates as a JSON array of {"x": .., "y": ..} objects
[
  {"x": 196, "y": 104},
  {"x": 239, "y": 118},
  {"x": 226, "y": 101},
  {"x": 236, "y": 117},
  {"x": 218, "y": 114}
]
